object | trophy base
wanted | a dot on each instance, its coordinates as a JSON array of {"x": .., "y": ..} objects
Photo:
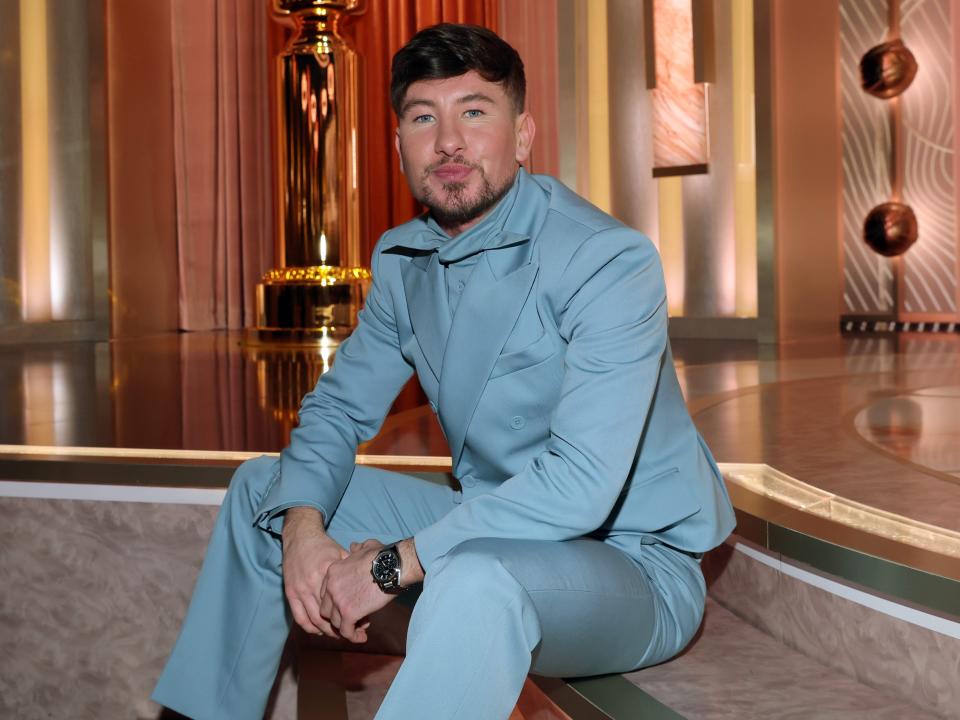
[{"x": 308, "y": 306}]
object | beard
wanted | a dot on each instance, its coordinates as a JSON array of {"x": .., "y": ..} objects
[{"x": 457, "y": 208}]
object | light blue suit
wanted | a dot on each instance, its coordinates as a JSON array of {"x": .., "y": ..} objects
[{"x": 586, "y": 495}]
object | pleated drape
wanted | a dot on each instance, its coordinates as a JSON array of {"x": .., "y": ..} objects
[{"x": 221, "y": 158}]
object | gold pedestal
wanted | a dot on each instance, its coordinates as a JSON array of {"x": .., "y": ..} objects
[
  {"x": 314, "y": 295},
  {"x": 314, "y": 305}
]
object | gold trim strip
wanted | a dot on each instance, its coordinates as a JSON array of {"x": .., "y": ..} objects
[
  {"x": 324, "y": 274},
  {"x": 412, "y": 462}
]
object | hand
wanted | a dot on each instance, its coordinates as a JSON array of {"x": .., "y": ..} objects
[
  {"x": 350, "y": 594},
  {"x": 308, "y": 553}
]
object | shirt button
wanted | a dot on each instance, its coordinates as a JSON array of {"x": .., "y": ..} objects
[
  {"x": 468, "y": 481},
  {"x": 517, "y": 422},
  {"x": 461, "y": 285},
  {"x": 433, "y": 406}
]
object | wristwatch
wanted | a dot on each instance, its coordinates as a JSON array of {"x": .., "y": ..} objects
[{"x": 386, "y": 570}]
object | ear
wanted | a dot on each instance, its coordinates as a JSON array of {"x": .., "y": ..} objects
[
  {"x": 526, "y": 129},
  {"x": 396, "y": 144}
]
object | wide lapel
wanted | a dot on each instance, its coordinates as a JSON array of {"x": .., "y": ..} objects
[
  {"x": 426, "y": 294},
  {"x": 495, "y": 294}
]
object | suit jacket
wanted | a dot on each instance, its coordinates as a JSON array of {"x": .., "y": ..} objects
[{"x": 553, "y": 383}]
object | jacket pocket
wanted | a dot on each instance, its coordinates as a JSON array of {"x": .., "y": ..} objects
[{"x": 653, "y": 503}]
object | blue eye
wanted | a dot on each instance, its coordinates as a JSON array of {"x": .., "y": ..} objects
[
  {"x": 473, "y": 113},
  {"x": 420, "y": 119}
]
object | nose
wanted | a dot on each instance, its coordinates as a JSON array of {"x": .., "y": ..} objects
[{"x": 449, "y": 140}]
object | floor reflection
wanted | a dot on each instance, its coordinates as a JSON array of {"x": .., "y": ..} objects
[
  {"x": 193, "y": 391},
  {"x": 872, "y": 419},
  {"x": 922, "y": 427}
]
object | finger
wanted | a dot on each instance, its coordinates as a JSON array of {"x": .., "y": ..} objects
[
  {"x": 300, "y": 617},
  {"x": 326, "y": 606},
  {"x": 354, "y": 546},
  {"x": 360, "y": 634},
  {"x": 348, "y": 628},
  {"x": 317, "y": 618},
  {"x": 335, "y": 619}
]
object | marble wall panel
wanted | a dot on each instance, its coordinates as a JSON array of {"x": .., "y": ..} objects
[
  {"x": 894, "y": 656},
  {"x": 733, "y": 671},
  {"x": 91, "y": 600},
  {"x": 747, "y": 588},
  {"x": 876, "y": 649}
]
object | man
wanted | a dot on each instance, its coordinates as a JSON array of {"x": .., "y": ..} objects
[{"x": 537, "y": 327}]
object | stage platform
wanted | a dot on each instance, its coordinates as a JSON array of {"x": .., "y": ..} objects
[
  {"x": 864, "y": 430},
  {"x": 842, "y": 458}
]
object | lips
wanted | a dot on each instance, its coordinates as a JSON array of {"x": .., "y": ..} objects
[{"x": 450, "y": 172}]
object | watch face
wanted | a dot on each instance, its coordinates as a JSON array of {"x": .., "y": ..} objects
[{"x": 385, "y": 565}]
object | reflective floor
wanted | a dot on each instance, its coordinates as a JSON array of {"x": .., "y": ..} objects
[{"x": 875, "y": 419}]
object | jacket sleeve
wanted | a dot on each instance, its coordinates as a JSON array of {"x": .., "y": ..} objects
[
  {"x": 611, "y": 301},
  {"x": 347, "y": 406}
]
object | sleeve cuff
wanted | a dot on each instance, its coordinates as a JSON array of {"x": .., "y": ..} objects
[
  {"x": 431, "y": 545},
  {"x": 271, "y": 519}
]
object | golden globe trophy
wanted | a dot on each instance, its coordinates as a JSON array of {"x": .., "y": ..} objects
[{"x": 315, "y": 293}]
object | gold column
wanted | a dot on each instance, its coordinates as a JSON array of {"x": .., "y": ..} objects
[{"x": 315, "y": 293}]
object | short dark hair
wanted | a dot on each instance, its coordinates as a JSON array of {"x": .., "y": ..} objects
[{"x": 448, "y": 50}]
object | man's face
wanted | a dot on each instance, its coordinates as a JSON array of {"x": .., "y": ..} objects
[{"x": 460, "y": 143}]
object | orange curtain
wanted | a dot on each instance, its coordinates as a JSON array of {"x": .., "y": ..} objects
[{"x": 221, "y": 159}]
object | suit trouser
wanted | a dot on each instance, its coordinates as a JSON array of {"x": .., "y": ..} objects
[{"x": 491, "y": 610}]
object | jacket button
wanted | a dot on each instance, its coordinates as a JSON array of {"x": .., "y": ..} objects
[
  {"x": 517, "y": 422},
  {"x": 468, "y": 481}
]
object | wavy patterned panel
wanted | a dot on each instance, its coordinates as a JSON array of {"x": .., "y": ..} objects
[
  {"x": 930, "y": 268},
  {"x": 868, "y": 279}
]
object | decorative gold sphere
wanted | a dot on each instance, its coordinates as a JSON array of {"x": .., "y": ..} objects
[
  {"x": 887, "y": 69},
  {"x": 890, "y": 229}
]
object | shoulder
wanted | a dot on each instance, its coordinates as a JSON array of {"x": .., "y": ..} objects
[{"x": 576, "y": 233}]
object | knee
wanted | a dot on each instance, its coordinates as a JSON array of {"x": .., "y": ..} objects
[
  {"x": 250, "y": 482},
  {"x": 474, "y": 581},
  {"x": 475, "y": 569}
]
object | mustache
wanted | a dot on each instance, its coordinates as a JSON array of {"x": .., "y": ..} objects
[{"x": 455, "y": 160}]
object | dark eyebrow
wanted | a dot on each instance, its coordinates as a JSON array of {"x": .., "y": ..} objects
[
  {"x": 413, "y": 103},
  {"x": 475, "y": 97}
]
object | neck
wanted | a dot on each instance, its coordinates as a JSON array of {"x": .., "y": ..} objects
[{"x": 457, "y": 229}]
